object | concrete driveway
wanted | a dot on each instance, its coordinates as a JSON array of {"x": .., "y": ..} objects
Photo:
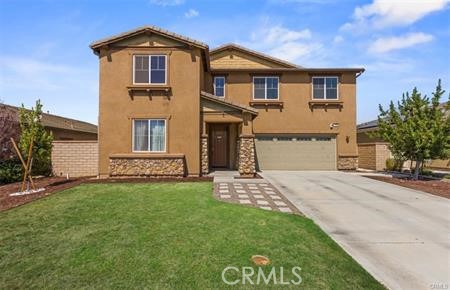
[{"x": 401, "y": 236}]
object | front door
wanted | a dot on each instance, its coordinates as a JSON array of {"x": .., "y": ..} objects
[{"x": 219, "y": 145}]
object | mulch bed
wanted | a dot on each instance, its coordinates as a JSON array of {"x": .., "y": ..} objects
[
  {"x": 436, "y": 187},
  {"x": 51, "y": 185},
  {"x": 55, "y": 184}
]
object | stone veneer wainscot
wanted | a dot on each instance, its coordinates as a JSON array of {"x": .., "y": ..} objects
[
  {"x": 170, "y": 165},
  {"x": 347, "y": 162},
  {"x": 247, "y": 165}
]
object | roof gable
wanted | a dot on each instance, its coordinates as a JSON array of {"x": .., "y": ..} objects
[
  {"x": 236, "y": 56},
  {"x": 147, "y": 35}
]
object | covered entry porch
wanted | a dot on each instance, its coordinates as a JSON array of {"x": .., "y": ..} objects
[{"x": 227, "y": 138}]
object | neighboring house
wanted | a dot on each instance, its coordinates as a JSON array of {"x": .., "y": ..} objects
[
  {"x": 61, "y": 128},
  {"x": 374, "y": 151},
  {"x": 171, "y": 107}
]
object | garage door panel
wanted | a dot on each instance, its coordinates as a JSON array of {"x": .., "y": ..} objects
[{"x": 316, "y": 154}]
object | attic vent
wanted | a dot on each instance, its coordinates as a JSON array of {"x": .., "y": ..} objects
[{"x": 231, "y": 56}]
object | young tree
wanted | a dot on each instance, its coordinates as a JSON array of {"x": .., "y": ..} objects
[
  {"x": 32, "y": 130},
  {"x": 417, "y": 129}
]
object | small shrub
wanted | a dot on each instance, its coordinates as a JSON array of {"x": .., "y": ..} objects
[
  {"x": 393, "y": 164},
  {"x": 426, "y": 172},
  {"x": 447, "y": 176},
  {"x": 10, "y": 171}
]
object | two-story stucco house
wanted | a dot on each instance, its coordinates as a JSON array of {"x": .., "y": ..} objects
[{"x": 169, "y": 106}]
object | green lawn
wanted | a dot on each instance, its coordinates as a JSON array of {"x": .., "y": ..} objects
[{"x": 161, "y": 235}]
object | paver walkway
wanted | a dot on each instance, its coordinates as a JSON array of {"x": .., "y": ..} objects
[{"x": 258, "y": 194}]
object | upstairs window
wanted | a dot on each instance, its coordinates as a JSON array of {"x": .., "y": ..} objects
[
  {"x": 265, "y": 88},
  {"x": 325, "y": 88},
  {"x": 219, "y": 86},
  {"x": 149, "y": 69},
  {"x": 149, "y": 135}
]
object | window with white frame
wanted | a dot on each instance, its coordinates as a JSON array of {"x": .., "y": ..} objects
[
  {"x": 149, "y": 135},
  {"x": 149, "y": 69},
  {"x": 219, "y": 86},
  {"x": 265, "y": 88},
  {"x": 325, "y": 88}
]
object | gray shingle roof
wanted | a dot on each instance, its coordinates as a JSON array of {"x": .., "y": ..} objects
[
  {"x": 366, "y": 125},
  {"x": 53, "y": 121}
]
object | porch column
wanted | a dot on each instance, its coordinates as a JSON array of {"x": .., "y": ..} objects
[
  {"x": 246, "y": 148},
  {"x": 204, "y": 150},
  {"x": 247, "y": 165}
]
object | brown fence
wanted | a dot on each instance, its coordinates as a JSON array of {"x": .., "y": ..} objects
[{"x": 75, "y": 158}]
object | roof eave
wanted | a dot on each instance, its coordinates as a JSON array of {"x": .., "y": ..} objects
[
  {"x": 96, "y": 45},
  {"x": 309, "y": 70},
  {"x": 210, "y": 97}
]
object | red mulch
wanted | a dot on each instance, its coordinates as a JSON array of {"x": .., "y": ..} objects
[
  {"x": 51, "y": 185},
  {"x": 436, "y": 187},
  {"x": 55, "y": 184}
]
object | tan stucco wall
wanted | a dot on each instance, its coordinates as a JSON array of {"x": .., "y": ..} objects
[
  {"x": 238, "y": 59},
  {"x": 117, "y": 108},
  {"x": 296, "y": 115}
]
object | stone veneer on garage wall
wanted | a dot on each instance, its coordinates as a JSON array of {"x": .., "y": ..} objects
[
  {"x": 347, "y": 162},
  {"x": 133, "y": 165},
  {"x": 247, "y": 164}
]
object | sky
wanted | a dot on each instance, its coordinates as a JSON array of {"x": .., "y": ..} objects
[{"x": 44, "y": 45}]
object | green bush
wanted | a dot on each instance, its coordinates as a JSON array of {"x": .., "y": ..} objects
[
  {"x": 447, "y": 176},
  {"x": 393, "y": 164},
  {"x": 10, "y": 171},
  {"x": 426, "y": 172}
]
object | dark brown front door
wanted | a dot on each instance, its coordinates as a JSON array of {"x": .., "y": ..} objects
[{"x": 219, "y": 146}]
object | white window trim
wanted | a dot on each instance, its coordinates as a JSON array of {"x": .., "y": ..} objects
[
  {"x": 265, "y": 88},
  {"x": 148, "y": 151},
  {"x": 224, "y": 85},
  {"x": 150, "y": 70},
  {"x": 325, "y": 88}
]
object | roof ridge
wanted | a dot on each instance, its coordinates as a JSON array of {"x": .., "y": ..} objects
[
  {"x": 264, "y": 55},
  {"x": 46, "y": 120},
  {"x": 139, "y": 29}
]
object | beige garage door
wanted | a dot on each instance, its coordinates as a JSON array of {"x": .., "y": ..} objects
[{"x": 296, "y": 152}]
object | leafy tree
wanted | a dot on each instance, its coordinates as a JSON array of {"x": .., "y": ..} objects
[
  {"x": 9, "y": 128},
  {"x": 32, "y": 129},
  {"x": 417, "y": 129}
]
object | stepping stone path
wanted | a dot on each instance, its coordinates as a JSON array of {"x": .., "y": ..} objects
[{"x": 261, "y": 195}]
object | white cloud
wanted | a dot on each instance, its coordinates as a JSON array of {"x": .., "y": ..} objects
[
  {"x": 386, "y": 44},
  {"x": 191, "y": 13},
  {"x": 292, "y": 51},
  {"x": 17, "y": 71},
  {"x": 167, "y": 2},
  {"x": 388, "y": 13},
  {"x": 292, "y": 45},
  {"x": 338, "y": 39},
  {"x": 279, "y": 34}
]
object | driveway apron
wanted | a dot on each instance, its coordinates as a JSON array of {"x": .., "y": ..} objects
[{"x": 399, "y": 235}]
